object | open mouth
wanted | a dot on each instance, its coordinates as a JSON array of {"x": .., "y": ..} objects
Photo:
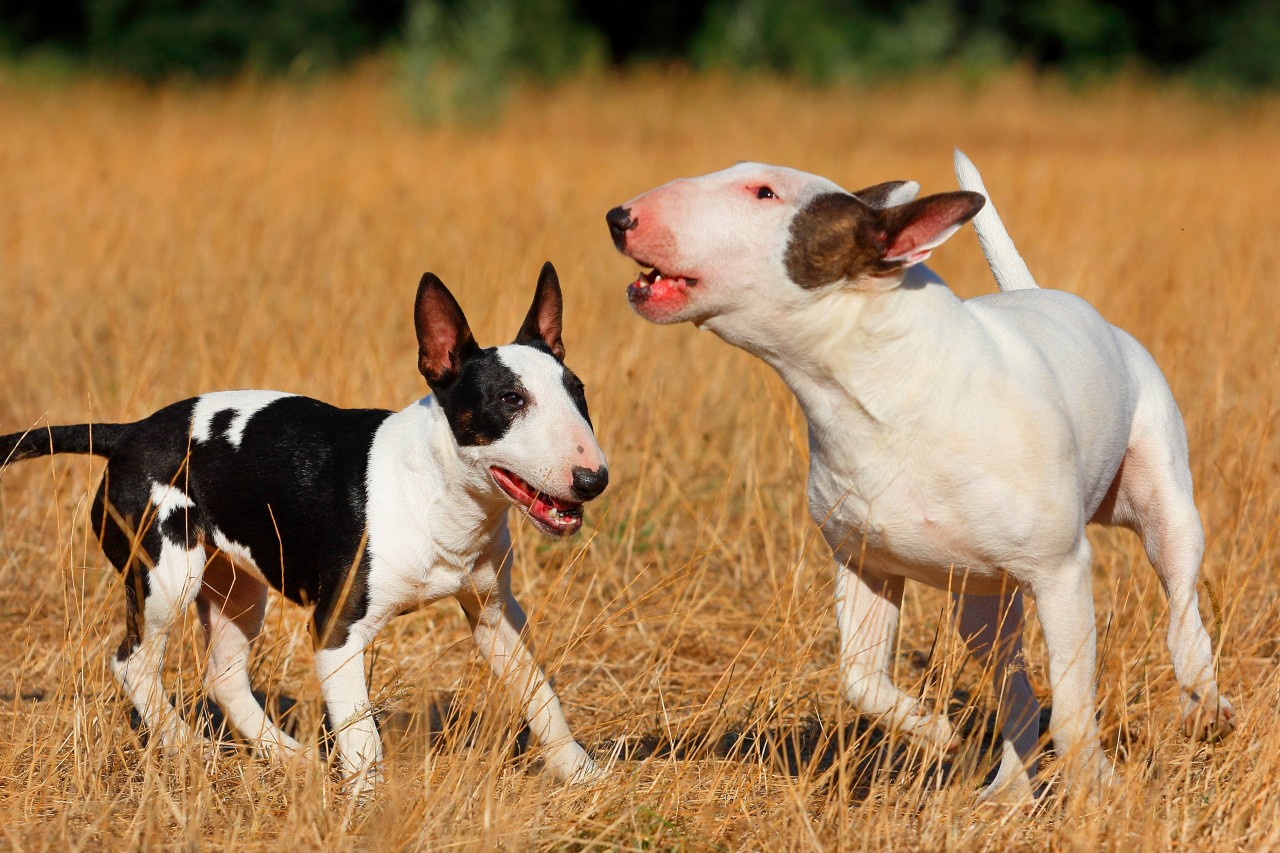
[
  {"x": 550, "y": 515},
  {"x": 658, "y": 285}
]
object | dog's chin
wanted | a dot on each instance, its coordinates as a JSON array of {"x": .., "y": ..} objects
[
  {"x": 553, "y": 516},
  {"x": 662, "y": 299}
]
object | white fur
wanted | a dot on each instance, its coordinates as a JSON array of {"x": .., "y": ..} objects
[
  {"x": 1002, "y": 256},
  {"x": 246, "y": 404},
  {"x": 168, "y": 500},
  {"x": 963, "y": 444}
]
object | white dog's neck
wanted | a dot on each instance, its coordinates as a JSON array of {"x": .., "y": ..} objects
[{"x": 852, "y": 357}]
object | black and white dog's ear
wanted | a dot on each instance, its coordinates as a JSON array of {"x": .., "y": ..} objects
[
  {"x": 544, "y": 322},
  {"x": 888, "y": 194},
  {"x": 444, "y": 338}
]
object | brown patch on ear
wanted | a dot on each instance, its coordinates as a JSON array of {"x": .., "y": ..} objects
[{"x": 836, "y": 237}]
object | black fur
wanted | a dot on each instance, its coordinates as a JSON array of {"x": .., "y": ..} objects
[
  {"x": 98, "y": 439},
  {"x": 293, "y": 493},
  {"x": 577, "y": 393},
  {"x": 474, "y": 404}
]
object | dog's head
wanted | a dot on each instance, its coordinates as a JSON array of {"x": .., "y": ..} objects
[
  {"x": 517, "y": 413},
  {"x": 753, "y": 239}
]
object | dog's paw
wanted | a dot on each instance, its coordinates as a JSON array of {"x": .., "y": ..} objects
[
  {"x": 1207, "y": 718},
  {"x": 360, "y": 787},
  {"x": 573, "y": 766},
  {"x": 1012, "y": 785},
  {"x": 933, "y": 732},
  {"x": 588, "y": 773}
]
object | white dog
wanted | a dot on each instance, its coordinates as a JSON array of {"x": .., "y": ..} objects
[{"x": 961, "y": 443}]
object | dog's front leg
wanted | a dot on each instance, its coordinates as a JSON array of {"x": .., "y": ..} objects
[
  {"x": 867, "y": 612},
  {"x": 498, "y": 624},
  {"x": 346, "y": 697}
]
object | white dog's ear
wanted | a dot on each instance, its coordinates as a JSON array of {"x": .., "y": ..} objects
[
  {"x": 912, "y": 231},
  {"x": 888, "y": 194},
  {"x": 444, "y": 338},
  {"x": 544, "y": 322},
  {"x": 838, "y": 237}
]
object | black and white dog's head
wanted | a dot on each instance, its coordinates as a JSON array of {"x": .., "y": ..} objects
[{"x": 517, "y": 412}]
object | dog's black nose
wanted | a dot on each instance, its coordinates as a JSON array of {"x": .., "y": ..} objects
[
  {"x": 620, "y": 222},
  {"x": 588, "y": 484}
]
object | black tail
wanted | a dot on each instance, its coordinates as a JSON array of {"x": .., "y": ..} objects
[{"x": 98, "y": 439}]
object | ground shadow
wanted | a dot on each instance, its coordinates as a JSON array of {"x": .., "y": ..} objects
[{"x": 807, "y": 745}]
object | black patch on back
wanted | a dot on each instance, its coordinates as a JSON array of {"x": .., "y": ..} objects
[
  {"x": 473, "y": 402},
  {"x": 294, "y": 493}
]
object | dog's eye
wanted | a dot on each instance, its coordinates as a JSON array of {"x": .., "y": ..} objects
[
  {"x": 514, "y": 400},
  {"x": 765, "y": 192}
]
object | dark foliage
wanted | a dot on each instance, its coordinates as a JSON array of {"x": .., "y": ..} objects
[{"x": 1230, "y": 42}]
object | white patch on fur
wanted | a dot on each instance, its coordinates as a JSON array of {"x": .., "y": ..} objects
[
  {"x": 245, "y": 404},
  {"x": 234, "y": 550},
  {"x": 168, "y": 499},
  {"x": 542, "y": 445},
  {"x": 237, "y": 553}
]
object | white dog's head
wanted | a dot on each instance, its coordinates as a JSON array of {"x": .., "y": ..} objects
[{"x": 729, "y": 249}]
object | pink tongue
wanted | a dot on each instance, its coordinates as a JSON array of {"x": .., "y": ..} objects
[
  {"x": 665, "y": 288},
  {"x": 540, "y": 509}
]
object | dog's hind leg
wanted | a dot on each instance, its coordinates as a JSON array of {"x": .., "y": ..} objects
[
  {"x": 155, "y": 599},
  {"x": 232, "y": 604},
  {"x": 1064, "y": 602},
  {"x": 991, "y": 626},
  {"x": 867, "y": 610},
  {"x": 1153, "y": 497}
]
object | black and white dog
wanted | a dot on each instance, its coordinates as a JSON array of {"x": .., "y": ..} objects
[{"x": 363, "y": 513}]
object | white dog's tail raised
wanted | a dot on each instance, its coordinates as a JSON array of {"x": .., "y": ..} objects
[{"x": 1006, "y": 264}]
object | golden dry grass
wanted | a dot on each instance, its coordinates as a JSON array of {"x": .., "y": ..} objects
[{"x": 154, "y": 245}]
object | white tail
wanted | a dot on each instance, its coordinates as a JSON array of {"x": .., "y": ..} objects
[{"x": 1006, "y": 264}]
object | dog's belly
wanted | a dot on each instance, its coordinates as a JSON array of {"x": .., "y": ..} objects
[
  {"x": 976, "y": 539},
  {"x": 925, "y": 553}
]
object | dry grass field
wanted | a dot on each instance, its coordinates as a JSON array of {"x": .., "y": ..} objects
[{"x": 156, "y": 244}]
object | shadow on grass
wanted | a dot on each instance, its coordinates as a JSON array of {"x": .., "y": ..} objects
[{"x": 808, "y": 745}]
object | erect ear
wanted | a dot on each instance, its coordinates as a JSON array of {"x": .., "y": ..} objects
[
  {"x": 544, "y": 322},
  {"x": 888, "y": 194},
  {"x": 910, "y": 232},
  {"x": 444, "y": 338}
]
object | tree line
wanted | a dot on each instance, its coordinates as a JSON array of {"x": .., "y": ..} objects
[{"x": 475, "y": 44}]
